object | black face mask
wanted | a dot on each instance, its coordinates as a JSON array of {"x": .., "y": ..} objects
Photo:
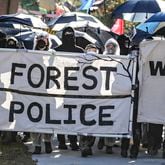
[
  {"x": 69, "y": 39},
  {"x": 68, "y": 36}
]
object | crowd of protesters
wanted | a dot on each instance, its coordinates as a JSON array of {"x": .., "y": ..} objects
[{"x": 149, "y": 135}]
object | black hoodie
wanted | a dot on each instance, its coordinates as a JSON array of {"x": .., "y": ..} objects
[{"x": 68, "y": 42}]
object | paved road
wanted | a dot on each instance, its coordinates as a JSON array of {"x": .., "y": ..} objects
[
  {"x": 68, "y": 157},
  {"x": 99, "y": 158}
]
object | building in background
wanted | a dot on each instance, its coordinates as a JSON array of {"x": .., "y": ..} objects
[{"x": 8, "y": 6}]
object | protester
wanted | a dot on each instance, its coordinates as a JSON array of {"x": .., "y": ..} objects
[
  {"x": 68, "y": 45},
  {"x": 124, "y": 43},
  {"x": 111, "y": 47},
  {"x": 3, "y": 39},
  {"x": 41, "y": 43},
  {"x": 6, "y": 136},
  {"x": 154, "y": 133},
  {"x": 154, "y": 138},
  {"x": 91, "y": 48},
  {"x": 86, "y": 142},
  {"x": 69, "y": 42}
]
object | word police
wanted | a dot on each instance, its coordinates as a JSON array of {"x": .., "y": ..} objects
[{"x": 45, "y": 113}]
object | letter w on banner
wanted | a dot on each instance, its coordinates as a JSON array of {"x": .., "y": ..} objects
[
  {"x": 152, "y": 82},
  {"x": 65, "y": 93}
]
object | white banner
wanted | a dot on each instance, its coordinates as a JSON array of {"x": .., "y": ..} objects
[
  {"x": 65, "y": 93},
  {"x": 152, "y": 82}
]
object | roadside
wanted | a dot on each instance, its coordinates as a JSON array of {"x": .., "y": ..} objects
[
  {"x": 20, "y": 154},
  {"x": 69, "y": 157}
]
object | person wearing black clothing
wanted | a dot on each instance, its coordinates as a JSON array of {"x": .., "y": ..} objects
[
  {"x": 68, "y": 45},
  {"x": 68, "y": 42},
  {"x": 124, "y": 43},
  {"x": 3, "y": 39},
  {"x": 6, "y": 136},
  {"x": 154, "y": 138}
]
